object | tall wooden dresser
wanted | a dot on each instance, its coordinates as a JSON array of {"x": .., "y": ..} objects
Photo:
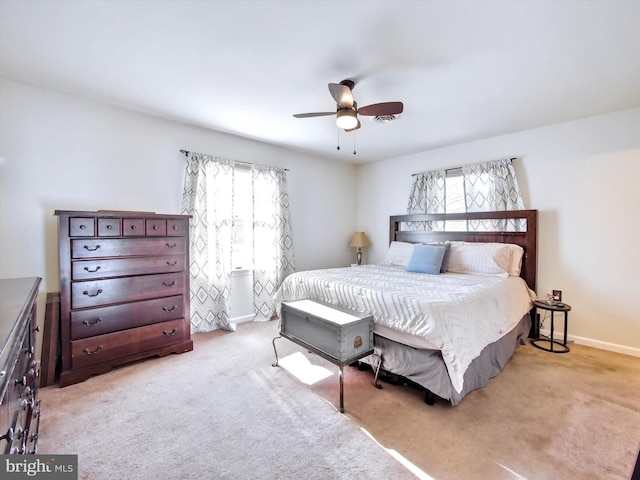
[
  {"x": 19, "y": 370},
  {"x": 124, "y": 289}
]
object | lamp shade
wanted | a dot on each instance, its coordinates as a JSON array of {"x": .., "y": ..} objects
[
  {"x": 347, "y": 119},
  {"x": 359, "y": 240}
]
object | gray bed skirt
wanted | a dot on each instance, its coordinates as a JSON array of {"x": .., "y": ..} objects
[{"x": 427, "y": 369}]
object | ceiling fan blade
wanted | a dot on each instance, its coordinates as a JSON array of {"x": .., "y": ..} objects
[
  {"x": 354, "y": 128},
  {"x": 376, "y": 109},
  {"x": 341, "y": 94},
  {"x": 314, "y": 114}
]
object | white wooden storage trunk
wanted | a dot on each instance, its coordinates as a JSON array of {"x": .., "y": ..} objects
[{"x": 339, "y": 335}]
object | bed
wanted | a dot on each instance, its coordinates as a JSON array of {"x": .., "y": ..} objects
[{"x": 449, "y": 307}]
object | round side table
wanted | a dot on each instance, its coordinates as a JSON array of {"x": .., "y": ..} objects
[{"x": 549, "y": 344}]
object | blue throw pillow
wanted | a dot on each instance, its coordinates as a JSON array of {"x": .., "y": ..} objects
[{"x": 426, "y": 259}]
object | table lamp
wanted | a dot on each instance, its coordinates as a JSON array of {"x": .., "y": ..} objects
[{"x": 359, "y": 241}]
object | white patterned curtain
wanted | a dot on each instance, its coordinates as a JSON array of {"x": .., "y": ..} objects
[
  {"x": 272, "y": 239},
  {"x": 492, "y": 186},
  {"x": 208, "y": 198},
  {"x": 427, "y": 196}
]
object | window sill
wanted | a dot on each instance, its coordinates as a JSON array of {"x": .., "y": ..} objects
[{"x": 242, "y": 272}]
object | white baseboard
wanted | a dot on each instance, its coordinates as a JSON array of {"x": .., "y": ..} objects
[
  {"x": 589, "y": 342},
  {"x": 245, "y": 318}
]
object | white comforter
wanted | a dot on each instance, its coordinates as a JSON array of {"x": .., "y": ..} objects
[{"x": 459, "y": 314}]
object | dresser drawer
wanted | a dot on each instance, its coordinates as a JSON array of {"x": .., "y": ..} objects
[
  {"x": 104, "y": 348},
  {"x": 156, "y": 227},
  {"x": 82, "y": 227},
  {"x": 126, "y": 247},
  {"x": 101, "y": 320},
  {"x": 177, "y": 227},
  {"x": 20, "y": 378},
  {"x": 120, "y": 267},
  {"x": 129, "y": 289},
  {"x": 133, "y": 227},
  {"x": 109, "y": 227}
]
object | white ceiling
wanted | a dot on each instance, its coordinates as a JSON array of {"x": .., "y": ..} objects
[{"x": 464, "y": 70}]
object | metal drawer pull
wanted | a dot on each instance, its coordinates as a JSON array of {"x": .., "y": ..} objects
[
  {"x": 98, "y": 292},
  {"x": 172, "y": 264},
  {"x": 171, "y": 333},
  {"x": 34, "y": 371},
  {"x": 173, "y": 245},
  {"x": 8, "y": 436},
  {"x": 92, "y": 271},
  {"x": 169, "y": 284},
  {"x": 82, "y": 227},
  {"x": 26, "y": 404},
  {"x": 169, "y": 309},
  {"x": 89, "y": 324},
  {"x": 155, "y": 227},
  {"x": 92, "y": 249},
  {"x": 21, "y": 381},
  {"x": 133, "y": 227},
  {"x": 88, "y": 352}
]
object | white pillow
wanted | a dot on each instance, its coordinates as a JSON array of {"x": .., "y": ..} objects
[
  {"x": 399, "y": 253},
  {"x": 481, "y": 258},
  {"x": 517, "y": 253}
]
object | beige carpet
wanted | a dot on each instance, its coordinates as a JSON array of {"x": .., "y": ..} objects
[
  {"x": 222, "y": 412},
  {"x": 219, "y": 412}
]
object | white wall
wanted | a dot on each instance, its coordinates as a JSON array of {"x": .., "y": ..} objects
[
  {"x": 67, "y": 153},
  {"x": 583, "y": 178}
]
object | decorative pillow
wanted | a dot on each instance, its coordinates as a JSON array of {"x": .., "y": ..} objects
[
  {"x": 427, "y": 259},
  {"x": 480, "y": 258},
  {"x": 399, "y": 253}
]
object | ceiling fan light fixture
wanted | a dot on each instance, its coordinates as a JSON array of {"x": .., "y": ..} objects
[{"x": 347, "y": 119}]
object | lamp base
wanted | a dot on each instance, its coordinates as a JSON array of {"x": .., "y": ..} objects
[{"x": 359, "y": 256}]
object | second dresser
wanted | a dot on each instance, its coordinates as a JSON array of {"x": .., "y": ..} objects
[{"x": 124, "y": 289}]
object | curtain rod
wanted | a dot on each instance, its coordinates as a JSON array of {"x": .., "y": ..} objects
[
  {"x": 186, "y": 154},
  {"x": 448, "y": 169}
]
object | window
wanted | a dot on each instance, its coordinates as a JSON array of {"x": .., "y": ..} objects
[
  {"x": 474, "y": 188},
  {"x": 242, "y": 247},
  {"x": 219, "y": 195},
  {"x": 454, "y": 199}
]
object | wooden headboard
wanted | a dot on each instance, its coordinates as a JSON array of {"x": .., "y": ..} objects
[{"x": 527, "y": 238}]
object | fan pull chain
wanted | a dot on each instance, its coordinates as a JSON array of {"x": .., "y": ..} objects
[
  {"x": 354, "y": 143},
  {"x": 338, "y": 140}
]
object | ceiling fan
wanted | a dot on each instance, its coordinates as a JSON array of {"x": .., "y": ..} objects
[{"x": 347, "y": 110}]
